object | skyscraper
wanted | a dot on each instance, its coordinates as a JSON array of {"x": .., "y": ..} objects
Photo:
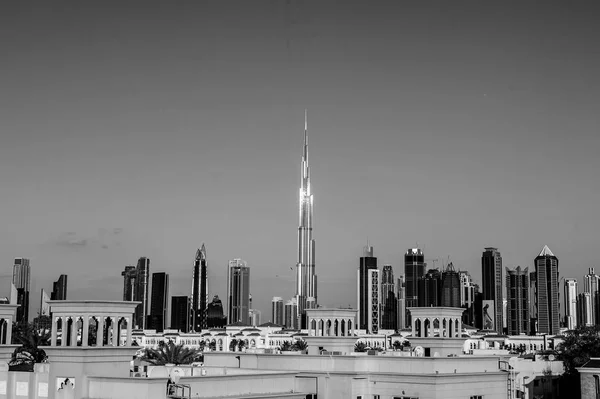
[
  {"x": 517, "y": 307},
  {"x": 467, "y": 297},
  {"x": 401, "y": 307},
  {"x": 277, "y": 310},
  {"x": 238, "y": 292},
  {"x": 59, "y": 289},
  {"x": 492, "y": 284},
  {"x": 22, "y": 280},
  {"x": 545, "y": 284},
  {"x": 450, "y": 296},
  {"x": 414, "y": 269},
  {"x": 373, "y": 301},
  {"x": 367, "y": 262},
  {"x": 389, "y": 301},
  {"x": 584, "y": 310},
  {"x": 180, "y": 313},
  {"x": 200, "y": 291},
  {"x": 291, "y": 314},
  {"x": 570, "y": 303},
  {"x": 306, "y": 278},
  {"x": 159, "y": 304},
  {"x": 430, "y": 288},
  {"x": 254, "y": 317},
  {"x": 215, "y": 317},
  {"x": 591, "y": 284},
  {"x": 128, "y": 283}
]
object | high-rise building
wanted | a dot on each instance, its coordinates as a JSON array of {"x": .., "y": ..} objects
[
  {"x": 517, "y": 309},
  {"x": 450, "y": 296},
  {"x": 215, "y": 317},
  {"x": 492, "y": 285},
  {"x": 467, "y": 297},
  {"x": 546, "y": 297},
  {"x": 180, "y": 313},
  {"x": 373, "y": 301},
  {"x": 414, "y": 269},
  {"x": 277, "y": 310},
  {"x": 22, "y": 280},
  {"x": 571, "y": 303},
  {"x": 159, "y": 304},
  {"x": 128, "y": 283},
  {"x": 59, "y": 289},
  {"x": 306, "y": 278},
  {"x": 591, "y": 284},
  {"x": 254, "y": 316},
  {"x": 584, "y": 310},
  {"x": 389, "y": 301},
  {"x": 200, "y": 290},
  {"x": 291, "y": 314},
  {"x": 135, "y": 288},
  {"x": 430, "y": 289},
  {"x": 44, "y": 305},
  {"x": 238, "y": 292},
  {"x": 367, "y": 262},
  {"x": 401, "y": 301}
]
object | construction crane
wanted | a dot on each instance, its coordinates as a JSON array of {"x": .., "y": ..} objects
[{"x": 432, "y": 260}]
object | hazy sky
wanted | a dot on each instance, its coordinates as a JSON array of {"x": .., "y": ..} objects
[{"x": 146, "y": 129}]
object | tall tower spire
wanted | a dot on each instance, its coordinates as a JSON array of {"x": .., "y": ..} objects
[{"x": 306, "y": 280}]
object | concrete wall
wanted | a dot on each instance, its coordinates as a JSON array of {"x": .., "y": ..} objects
[{"x": 22, "y": 384}]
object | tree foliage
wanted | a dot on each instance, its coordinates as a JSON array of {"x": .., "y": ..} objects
[
  {"x": 578, "y": 347},
  {"x": 241, "y": 344},
  {"x": 30, "y": 339},
  {"x": 171, "y": 353},
  {"x": 360, "y": 347},
  {"x": 300, "y": 345},
  {"x": 286, "y": 346},
  {"x": 233, "y": 344}
]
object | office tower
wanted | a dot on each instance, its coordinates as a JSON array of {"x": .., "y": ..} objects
[
  {"x": 238, "y": 292},
  {"x": 306, "y": 278},
  {"x": 430, "y": 289},
  {"x": 492, "y": 285},
  {"x": 401, "y": 307},
  {"x": 414, "y": 269},
  {"x": 570, "y": 303},
  {"x": 159, "y": 302},
  {"x": 585, "y": 316},
  {"x": 291, "y": 314},
  {"x": 367, "y": 262},
  {"x": 22, "y": 280},
  {"x": 139, "y": 290},
  {"x": 467, "y": 297},
  {"x": 517, "y": 307},
  {"x": 44, "y": 305},
  {"x": 591, "y": 284},
  {"x": 389, "y": 301},
  {"x": 200, "y": 290},
  {"x": 254, "y": 316},
  {"x": 59, "y": 289},
  {"x": 214, "y": 315},
  {"x": 277, "y": 310},
  {"x": 180, "y": 313},
  {"x": 450, "y": 296},
  {"x": 128, "y": 283},
  {"x": 373, "y": 301},
  {"x": 546, "y": 298}
]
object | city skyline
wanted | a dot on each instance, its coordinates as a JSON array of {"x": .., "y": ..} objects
[{"x": 144, "y": 140}]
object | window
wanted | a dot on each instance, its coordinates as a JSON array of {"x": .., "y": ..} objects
[
  {"x": 476, "y": 396},
  {"x": 375, "y": 396}
]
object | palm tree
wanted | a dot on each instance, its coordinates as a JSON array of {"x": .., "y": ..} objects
[
  {"x": 360, "y": 347},
  {"x": 286, "y": 346},
  {"x": 212, "y": 346},
  {"x": 300, "y": 345},
  {"x": 201, "y": 346},
  {"x": 171, "y": 353},
  {"x": 233, "y": 344},
  {"x": 241, "y": 344},
  {"x": 30, "y": 338},
  {"x": 397, "y": 345},
  {"x": 406, "y": 344}
]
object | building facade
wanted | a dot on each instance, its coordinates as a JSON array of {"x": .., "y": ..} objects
[
  {"x": 467, "y": 297},
  {"x": 585, "y": 315},
  {"x": 59, "y": 289},
  {"x": 129, "y": 283},
  {"x": 492, "y": 286},
  {"x": 570, "y": 303},
  {"x": 159, "y": 304},
  {"x": 517, "y": 308},
  {"x": 142, "y": 275},
  {"x": 215, "y": 315},
  {"x": 22, "y": 281},
  {"x": 180, "y": 313},
  {"x": 368, "y": 262},
  {"x": 277, "y": 315},
  {"x": 591, "y": 284},
  {"x": 545, "y": 284},
  {"x": 291, "y": 314},
  {"x": 200, "y": 290},
  {"x": 373, "y": 301},
  {"x": 238, "y": 292},
  {"x": 450, "y": 296},
  {"x": 306, "y": 278},
  {"x": 401, "y": 304},
  {"x": 430, "y": 289},
  {"x": 414, "y": 269},
  {"x": 389, "y": 301}
]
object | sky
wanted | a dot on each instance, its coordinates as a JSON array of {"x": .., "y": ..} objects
[{"x": 132, "y": 129}]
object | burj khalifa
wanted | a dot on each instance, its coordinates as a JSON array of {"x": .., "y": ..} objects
[{"x": 306, "y": 279}]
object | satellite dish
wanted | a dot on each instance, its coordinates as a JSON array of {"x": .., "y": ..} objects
[
  {"x": 419, "y": 351},
  {"x": 551, "y": 358},
  {"x": 176, "y": 375}
]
